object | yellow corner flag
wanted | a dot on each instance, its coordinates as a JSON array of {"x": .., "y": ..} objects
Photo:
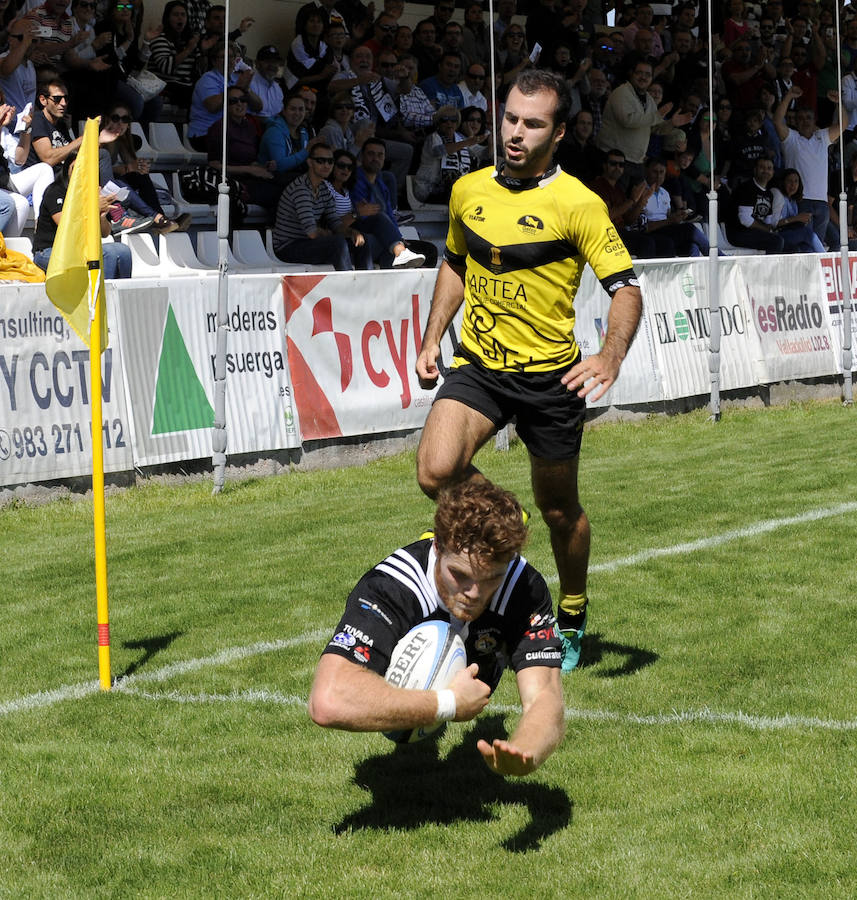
[
  {"x": 75, "y": 285},
  {"x": 76, "y": 253}
]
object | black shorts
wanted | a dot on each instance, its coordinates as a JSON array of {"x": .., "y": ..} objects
[{"x": 548, "y": 417}]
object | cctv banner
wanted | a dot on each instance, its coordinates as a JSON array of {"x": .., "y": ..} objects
[
  {"x": 168, "y": 335},
  {"x": 45, "y": 393},
  {"x": 353, "y": 340}
]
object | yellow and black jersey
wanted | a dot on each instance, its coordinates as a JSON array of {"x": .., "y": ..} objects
[{"x": 524, "y": 247}]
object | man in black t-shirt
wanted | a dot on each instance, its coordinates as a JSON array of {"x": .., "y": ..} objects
[
  {"x": 471, "y": 575},
  {"x": 753, "y": 221}
]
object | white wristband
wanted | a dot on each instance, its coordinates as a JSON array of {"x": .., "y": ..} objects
[{"x": 445, "y": 706}]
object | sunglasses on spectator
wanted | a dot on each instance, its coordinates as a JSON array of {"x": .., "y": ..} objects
[
  {"x": 344, "y": 165},
  {"x": 619, "y": 163},
  {"x": 388, "y": 65},
  {"x": 516, "y": 34},
  {"x": 475, "y": 75},
  {"x": 124, "y": 6},
  {"x": 448, "y": 119},
  {"x": 114, "y": 117},
  {"x": 85, "y": 4},
  {"x": 58, "y": 98},
  {"x": 234, "y": 100},
  {"x": 323, "y": 160}
]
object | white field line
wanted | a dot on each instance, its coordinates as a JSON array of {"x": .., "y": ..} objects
[
  {"x": 677, "y": 717},
  {"x": 233, "y": 654},
  {"x": 716, "y": 540},
  {"x": 127, "y": 685}
]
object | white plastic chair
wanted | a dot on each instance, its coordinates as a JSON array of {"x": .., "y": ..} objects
[
  {"x": 201, "y": 213},
  {"x": 730, "y": 249},
  {"x": 20, "y": 245},
  {"x": 293, "y": 267},
  {"x": 145, "y": 262},
  {"x": 249, "y": 247},
  {"x": 194, "y": 156},
  {"x": 176, "y": 253},
  {"x": 165, "y": 139},
  {"x": 428, "y": 212},
  {"x": 208, "y": 252}
]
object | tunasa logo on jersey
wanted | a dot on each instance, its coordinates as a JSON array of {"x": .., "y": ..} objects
[{"x": 531, "y": 224}]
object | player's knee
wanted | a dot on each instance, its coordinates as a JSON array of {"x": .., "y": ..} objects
[
  {"x": 430, "y": 476},
  {"x": 559, "y": 517}
]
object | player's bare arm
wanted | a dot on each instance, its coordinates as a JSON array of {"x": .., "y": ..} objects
[
  {"x": 540, "y": 730},
  {"x": 596, "y": 374},
  {"x": 345, "y": 695},
  {"x": 448, "y": 297}
]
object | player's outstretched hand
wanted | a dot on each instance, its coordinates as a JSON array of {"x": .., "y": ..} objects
[
  {"x": 593, "y": 375},
  {"x": 426, "y": 367},
  {"x": 471, "y": 694},
  {"x": 506, "y": 759}
]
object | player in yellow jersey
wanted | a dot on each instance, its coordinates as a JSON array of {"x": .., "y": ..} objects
[{"x": 519, "y": 237}]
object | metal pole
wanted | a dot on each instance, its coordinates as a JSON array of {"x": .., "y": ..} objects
[
  {"x": 219, "y": 435},
  {"x": 845, "y": 266},
  {"x": 713, "y": 235}
]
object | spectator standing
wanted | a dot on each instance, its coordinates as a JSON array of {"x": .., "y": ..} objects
[
  {"x": 805, "y": 148},
  {"x": 176, "y": 54},
  {"x": 17, "y": 72},
  {"x": 476, "y": 41},
  {"x": 265, "y": 83},
  {"x": 631, "y": 115},
  {"x": 426, "y": 48}
]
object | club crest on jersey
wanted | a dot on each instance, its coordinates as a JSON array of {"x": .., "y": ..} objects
[
  {"x": 531, "y": 224},
  {"x": 496, "y": 259}
]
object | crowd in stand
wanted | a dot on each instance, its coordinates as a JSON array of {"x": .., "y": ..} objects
[{"x": 306, "y": 124}]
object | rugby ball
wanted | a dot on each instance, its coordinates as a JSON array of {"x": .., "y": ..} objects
[{"x": 427, "y": 658}]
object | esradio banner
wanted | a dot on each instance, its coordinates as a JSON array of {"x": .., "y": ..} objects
[
  {"x": 45, "y": 395},
  {"x": 353, "y": 340},
  {"x": 788, "y": 316},
  {"x": 168, "y": 333}
]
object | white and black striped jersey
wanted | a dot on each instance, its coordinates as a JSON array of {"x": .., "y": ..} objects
[{"x": 516, "y": 630}]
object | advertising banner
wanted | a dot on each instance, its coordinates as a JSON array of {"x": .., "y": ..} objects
[
  {"x": 168, "y": 333},
  {"x": 831, "y": 287},
  {"x": 639, "y": 380},
  {"x": 789, "y": 317},
  {"x": 676, "y": 303},
  {"x": 353, "y": 341},
  {"x": 45, "y": 396}
]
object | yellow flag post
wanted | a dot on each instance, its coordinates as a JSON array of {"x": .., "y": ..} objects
[{"x": 75, "y": 285}]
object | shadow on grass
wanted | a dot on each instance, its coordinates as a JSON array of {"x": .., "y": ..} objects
[
  {"x": 412, "y": 786},
  {"x": 152, "y": 646},
  {"x": 595, "y": 649}
]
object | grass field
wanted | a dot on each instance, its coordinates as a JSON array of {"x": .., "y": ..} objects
[{"x": 711, "y": 731}]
